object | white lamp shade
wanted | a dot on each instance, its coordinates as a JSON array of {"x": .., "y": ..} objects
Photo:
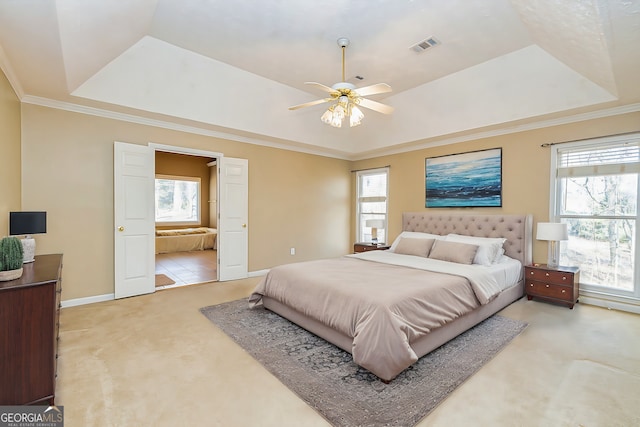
[
  {"x": 374, "y": 223},
  {"x": 552, "y": 231}
]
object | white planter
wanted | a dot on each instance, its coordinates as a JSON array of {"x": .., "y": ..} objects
[{"x": 10, "y": 275}]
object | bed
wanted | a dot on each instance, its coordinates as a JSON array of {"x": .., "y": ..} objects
[
  {"x": 186, "y": 239},
  {"x": 358, "y": 302}
]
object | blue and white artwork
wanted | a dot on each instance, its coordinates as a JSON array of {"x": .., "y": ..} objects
[{"x": 464, "y": 180}]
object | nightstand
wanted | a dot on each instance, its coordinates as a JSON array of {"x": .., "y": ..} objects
[
  {"x": 365, "y": 247},
  {"x": 559, "y": 284}
]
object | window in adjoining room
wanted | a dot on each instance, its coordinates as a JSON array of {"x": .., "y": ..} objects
[
  {"x": 596, "y": 195},
  {"x": 177, "y": 200},
  {"x": 371, "y": 201}
]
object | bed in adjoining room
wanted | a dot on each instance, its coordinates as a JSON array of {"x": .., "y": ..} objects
[
  {"x": 186, "y": 239},
  {"x": 443, "y": 274}
]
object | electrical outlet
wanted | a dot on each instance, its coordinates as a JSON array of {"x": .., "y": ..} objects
[{"x": 292, "y": 251}]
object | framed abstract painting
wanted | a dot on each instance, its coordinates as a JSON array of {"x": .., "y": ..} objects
[{"x": 471, "y": 179}]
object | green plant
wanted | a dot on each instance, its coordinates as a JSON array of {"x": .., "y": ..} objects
[{"x": 11, "y": 253}]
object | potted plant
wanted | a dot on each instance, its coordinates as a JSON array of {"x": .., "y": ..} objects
[{"x": 11, "y": 258}]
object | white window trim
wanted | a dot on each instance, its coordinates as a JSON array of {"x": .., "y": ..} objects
[
  {"x": 592, "y": 296},
  {"x": 198, "y": 220},
  {"x": 359, "y": 174}
]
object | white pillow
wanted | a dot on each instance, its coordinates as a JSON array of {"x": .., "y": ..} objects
[
  {"x": 489, "y": 248},
  {"x": 413, "y": 235}
]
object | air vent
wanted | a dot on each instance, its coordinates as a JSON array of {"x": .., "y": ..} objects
[{"x": 425, "y": 44}]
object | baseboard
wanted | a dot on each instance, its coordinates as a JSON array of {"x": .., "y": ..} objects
[
  {"x": 87, "y": 300},
  {"x": 610, "y": 304},
  {"x": 258, "y": 273},
  {"x": 110, "y": 297}
]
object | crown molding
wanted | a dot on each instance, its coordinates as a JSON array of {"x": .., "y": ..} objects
[
  {"x": 615, "y": 111},
  {"x": 404, "y": 148},
  {"x": 132, "y": 118}
]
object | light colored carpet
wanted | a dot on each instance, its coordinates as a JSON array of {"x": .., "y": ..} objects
[
  {"x": 345, "y": 394},
  {"x": 163, "y": 280},
  {"x": 586, "y": 397}
]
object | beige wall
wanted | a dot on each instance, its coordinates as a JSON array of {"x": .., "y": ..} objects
[
  {"x": 9, "y": 153},
  {"x": 295, "y": 200},
  {"x": 190, "y": 166},
  {"x": 525, "y": 171}
]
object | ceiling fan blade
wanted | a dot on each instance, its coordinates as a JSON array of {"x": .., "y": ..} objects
[
  {"x": 373, "y": 89},
  {"x": 309, "y": 104},
  {"x": 375, "y": 106},
  {"x": 321, "y": 87}
]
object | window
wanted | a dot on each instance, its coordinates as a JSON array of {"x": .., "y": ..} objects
[
  {"x": 596, "y": 194},
  {"x": 177, "y": 200},
  {"x": 372, "y": 194}
]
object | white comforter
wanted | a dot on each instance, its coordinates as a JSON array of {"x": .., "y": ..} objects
[{"x": 484, "y": 284}]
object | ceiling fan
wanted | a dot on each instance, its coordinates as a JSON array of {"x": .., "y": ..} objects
[{"x": 347, "y": 98}]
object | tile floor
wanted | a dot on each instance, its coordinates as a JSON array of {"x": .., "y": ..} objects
[{"x": 187, "y": 268}]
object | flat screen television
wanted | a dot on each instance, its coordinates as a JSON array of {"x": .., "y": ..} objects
[{"x": 27, "y": 223}]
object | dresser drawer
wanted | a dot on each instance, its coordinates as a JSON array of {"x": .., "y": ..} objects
[
  {"x": 550, "y": 290},
  {"x": 558, "y": 277}
]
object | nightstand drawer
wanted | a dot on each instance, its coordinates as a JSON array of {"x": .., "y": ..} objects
[
  {"x": 550, "y": 290},
  {"x": 366, "y": 247},
  {"x": 558, "y": 277},
  {"x": 560, "y": 284}
]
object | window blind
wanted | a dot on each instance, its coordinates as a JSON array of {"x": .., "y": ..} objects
[{"x": 616, "y": 158}]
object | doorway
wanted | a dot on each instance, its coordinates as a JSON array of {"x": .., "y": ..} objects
[
  {"x": 134, "y": 216},
  {"x": 186, "y": 221}
]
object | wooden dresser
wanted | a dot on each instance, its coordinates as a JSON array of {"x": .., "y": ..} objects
[
  {"x": 559, "y": 284},
  {"x": 29, "y": 323}
]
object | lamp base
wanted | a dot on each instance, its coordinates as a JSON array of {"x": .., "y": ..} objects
[
  {"x": 28, "y": 249},
  {"x": 553, "y": 254},
  {"x": 374, "y": 235}
]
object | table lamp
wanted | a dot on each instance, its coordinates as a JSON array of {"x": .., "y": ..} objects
[
  {"x": 374, "y": 224},
  {"x": 553, "y": 232},
  {"x": 27, "y": 223}
]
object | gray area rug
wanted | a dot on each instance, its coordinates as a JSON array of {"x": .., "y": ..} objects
[{"x": 326, "y": 377}]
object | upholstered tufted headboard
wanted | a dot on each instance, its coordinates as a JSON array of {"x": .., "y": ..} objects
[{"x": 517, "y": 229}]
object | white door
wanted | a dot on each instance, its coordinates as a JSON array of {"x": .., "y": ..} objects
[
  {"x": 134, "y": 216},
  {"x": 233, "y": 198}
]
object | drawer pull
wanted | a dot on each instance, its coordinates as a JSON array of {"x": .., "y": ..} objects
[
  {"x": 531, "y": 273},
  {"x": 546, "y": 286},
  {"x": 564, "y": 278},
  {"x": 563, "y": 291},
  {"x": 546, "y": 274},
  {"x": 531, "y": 284}
]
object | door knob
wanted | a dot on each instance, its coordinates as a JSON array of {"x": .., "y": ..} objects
[
  {"x": 244, "y": 225},
  {"x": 121, "y": 228}
]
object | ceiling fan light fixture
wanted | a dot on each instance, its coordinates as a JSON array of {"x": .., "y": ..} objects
[
  {"x": 336, "y": 121},
  {"x": 345, "y": 98},
  {"x": 327, "y": 117},
  {"x": 356, "y": 116}
]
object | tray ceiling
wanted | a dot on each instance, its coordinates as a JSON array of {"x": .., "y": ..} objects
[{"x": 233, "y": 68}]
